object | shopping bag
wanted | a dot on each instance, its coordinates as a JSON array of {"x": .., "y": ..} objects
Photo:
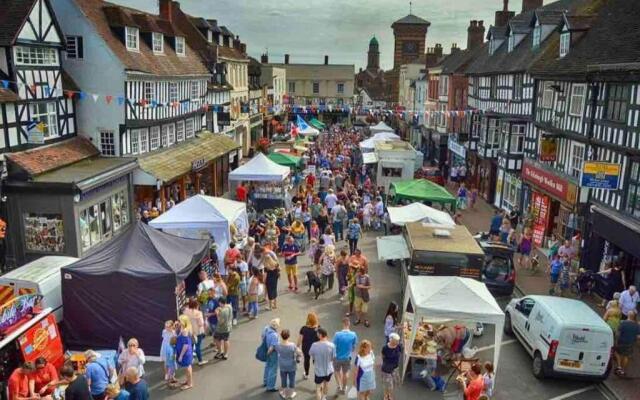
[{"x": 353, "y": 393}]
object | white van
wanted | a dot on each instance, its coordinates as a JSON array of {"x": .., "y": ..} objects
[
  {"x": 565, "y": 337},
  {"x": 41, "y": 276}
]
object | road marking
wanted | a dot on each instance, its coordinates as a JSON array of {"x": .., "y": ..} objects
[
  {"x": 493, "y": 345},
  {"x": 575, "y": 392}
]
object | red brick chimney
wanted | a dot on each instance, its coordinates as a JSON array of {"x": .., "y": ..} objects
[
  {"x": 438, "y": 51},
  {"x": 503, "y": 17},
  {"x": 475, "y": 34},
  {"x": 167, "y": 8},
  {"x": 528, "y": 5}
]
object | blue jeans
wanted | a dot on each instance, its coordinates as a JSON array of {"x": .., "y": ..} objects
[
  {"x": 337, "y": 230},
  {"x": 253, "y": 308},
  {"x": 288, "y": 379},
  {"x": 233, "y": 300},
  {"x": 430, "y": 367},
  {"x": 199, "y": 347},
  {"x": 270, "y": 371}
]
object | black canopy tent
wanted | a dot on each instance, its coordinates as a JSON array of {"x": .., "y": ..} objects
[{"x": 127, "y": 289}]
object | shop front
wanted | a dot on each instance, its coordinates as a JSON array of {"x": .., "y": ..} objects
[
  {"x": 438, "y": 150},
  {"x": 199, "y": 166},
  {"x": 65, "y": 200},
  {"x": 487, "y": 178},
  {"x": 508, "y": 190},
  {"x": 551, "y": 201},
  {"x": 457, "y": 152}
]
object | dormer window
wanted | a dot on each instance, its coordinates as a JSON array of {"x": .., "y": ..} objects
[
  {"x": 492, "y": 45},
  {"x": 537, "y": 36},
  {"x": 132, "y": 38},
  {"x": 209, "y": 36},
  {"x": 180, "y": 46},
  {"x": 158, "y": 43},
  {"x": 512, "y": 42},
  {"x": 565, "y": 43}
]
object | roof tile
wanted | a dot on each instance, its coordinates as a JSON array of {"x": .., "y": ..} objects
[
  {"x": 12, "y": 16},
  {"x": 48, "y": 158}
]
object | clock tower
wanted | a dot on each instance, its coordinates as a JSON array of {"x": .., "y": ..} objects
[{"x": 410, "y": 35}]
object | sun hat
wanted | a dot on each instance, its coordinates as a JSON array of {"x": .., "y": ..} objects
[{"x": 275, "y": 323}]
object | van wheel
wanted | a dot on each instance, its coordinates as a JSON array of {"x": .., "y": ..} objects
[
  {"x": 538, "y": 366},
  {"x": 508, "y": 329}
]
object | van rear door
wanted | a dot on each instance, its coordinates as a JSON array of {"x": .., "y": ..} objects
[{"x": 583, "y": 351}]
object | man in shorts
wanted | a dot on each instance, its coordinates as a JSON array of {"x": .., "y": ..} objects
[
  {"x": 361, "y": 303},
  {"x": 290, "y": 252},
  {"x": 345, "y": 342},
  {"x": 628, "y": 334},
  {"x": 223, "y": 328},
  {"x": 323, "y": 352}
]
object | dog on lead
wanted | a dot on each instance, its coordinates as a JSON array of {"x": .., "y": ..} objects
[{"x": 314, "y": 283}]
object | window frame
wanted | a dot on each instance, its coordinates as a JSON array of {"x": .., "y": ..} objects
[
  {"x": 134, "y": 141},
  {"x": 493, "y": 87},
  {"x": 576, "y": 159},
  {"x": 518, "y": 133},
  {"x": 149, "y": 91},
  {"x": 171, "y": 134},
  {"x": 511, "y": 44},
  {"x": 537, "y": 36},
  {"x": 340, "y": 88},
  {"x": 632, "y": 200},
  {"x": 36, "y": 56},
  {"x": 107, "y": 149},
  {"x": 518, "y": 86},
  {"x": 195, "y": 89},
  {"x": 547, "y": 89},
  {"x": 180, "y": 133},
  {"x": 132, "y": 33},
  {"x": 144, "y": 140},
  {"x": 73, "y": 47},
  {"x": 573, "y": 97},
  {"x": 154, "y": 136},
  {"x": 157, "y": 38},
  {"x": 291, "y": 87},
  {"x": 315, "y": 87},
  {"x": 618, "y": 98},
  {"x": 565, "y": 43},
  {"x": 173, "y": 92},
  {"x": 180, "y": 46},
  {"x": 49, "y": 116},
  {"x": 189, "y": 128}
]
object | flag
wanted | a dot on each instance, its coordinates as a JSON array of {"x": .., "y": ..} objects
[
  {"x": 108, "y": 98},
  {"x": 95, "y": 97},
  {"x": 5, "y": 84},
  {"x": 120, "y": 100}
]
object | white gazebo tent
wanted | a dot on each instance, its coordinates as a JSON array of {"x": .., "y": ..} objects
[
  {"x": 450, "y": 298},
  {"x": 260, "y": 169},
  {"x": 370, "y": 144},
  {"x": 202, "y": 216},
  {"x": 381, "y": 127},
  {"x": 419, "y": 212}
]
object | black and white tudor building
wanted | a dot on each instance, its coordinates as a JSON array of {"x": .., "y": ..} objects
[{"x": 33, "y": 107}]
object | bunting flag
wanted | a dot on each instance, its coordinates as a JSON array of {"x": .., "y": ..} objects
[
  {"x": 5, "y": 84},
  {"x": 120, "y": 100},
  {"x": 95, "y": 97},
  {"x": 108, "y": 98}
]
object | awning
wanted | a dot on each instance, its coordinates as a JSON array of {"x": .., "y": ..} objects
[
  {"x": 369, "y": 158},
  {"x": 392, "y": 248},
  {"x": 180, "y": 159}
]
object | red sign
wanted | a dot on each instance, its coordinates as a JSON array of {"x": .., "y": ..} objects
[
  {"x": 547, "y": 181},
  {"x": 540, "y": 206},
  {"x": 538, "y": 234},
  {"x": 43, "y": 340}
]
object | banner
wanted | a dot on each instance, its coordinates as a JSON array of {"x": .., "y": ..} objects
[
  {"x": 538, "y": 235},
  {"x": 548, "y": 148},
  {"x": 600, "y": 175},
  {"x": 540, "y": 207},
  {"x": 43, "y": 340}
]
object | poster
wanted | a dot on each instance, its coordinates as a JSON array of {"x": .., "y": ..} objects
[
  {"x": 44, "y": 232},
  {"x": 540, "y": 208},
  {"x": 538, "y": 234},
  {"x": 43, "y": 340}
]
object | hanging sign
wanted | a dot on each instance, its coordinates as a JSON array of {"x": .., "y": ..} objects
[
  {"x": 600, "y": 175},
  {"x": 548, "y": 148},
  {"x": 457, "y": 148},
  {"x": 197, "y": 165}
]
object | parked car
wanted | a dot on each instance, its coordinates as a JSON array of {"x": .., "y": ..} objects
[
  {"x": 565, "y": 337},
  {"x": 498, "y": 272}
]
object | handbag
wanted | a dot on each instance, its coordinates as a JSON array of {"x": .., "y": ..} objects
[
  {"x": 261, "y": 351},
  {"x": 353, "y": 393}
]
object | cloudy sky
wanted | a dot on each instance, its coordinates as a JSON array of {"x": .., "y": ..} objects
[{"x": 309, "y": 29}]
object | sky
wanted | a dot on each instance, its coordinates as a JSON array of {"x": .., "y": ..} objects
[{"x": 341, "y": 29}]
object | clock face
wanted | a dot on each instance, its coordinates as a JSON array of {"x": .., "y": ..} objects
[{"x": 410, "y": 47}]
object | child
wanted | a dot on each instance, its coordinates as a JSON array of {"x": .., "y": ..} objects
[
  {"x": 210, "y": 313},
  {"x": 554, "y": 274},
  {"x": 170, "y": 362},
  {"x": 167, "y": 333},
  {"x": 474, "y": 197},
  {"x": 253, "y": 293},
  {"x": 565, "y": 276},
  {"x": 488, "y": 379}
]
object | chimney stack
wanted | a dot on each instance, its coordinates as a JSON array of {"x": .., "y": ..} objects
[
  {"x": 286, "y": 59},
  {"x": 528, "y": 5},
  {"x": 454, "y": 48},
  {"x": 167, "y": 7},
  {"x": 264, "y": 58},
  {"x": 326, "y": 60},
  {"x": 475, "y": 34},
  {"x": 243, "y": 48},
  {"x": 503, "y": 17},
  {"x": 438, "y": 51},
  {"x": 236, "y": 42}
]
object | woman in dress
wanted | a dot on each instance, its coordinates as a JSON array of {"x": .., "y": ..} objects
[
  {"x": 314, "y": 231},
  {"x": 328, "y": 267},
  {"x": 272, "y": 269},
  {"x": 365, "y": 377},
  {"x": 342, "y": 267},
  {"x": 184, "y": 350},
  {"x": 613, "y": 316},
  {"x": 308, "y": 336},
  {"x": 329, "y": 237}
]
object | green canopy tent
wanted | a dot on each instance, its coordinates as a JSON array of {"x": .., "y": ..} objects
[
  {"x": 422, "y": 190},
  {"x": 317, "y": 124},
  {"x": 285, "y": 159}
]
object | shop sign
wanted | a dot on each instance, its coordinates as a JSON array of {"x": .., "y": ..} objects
[
  {"x": 547, "y": 181},
  {"x": 600, "y": 175},
  {"x": 540, "y": 207},
  {"x": 548, "y": 149},
  {"x": 35, "y": 132},
  {"x": 42, "y": 340},
  {"x": 457, "y": 148},
  {"x": 538, "y": 235},
  {"x": 15, "y": 310},
  {"x": 224, "y": 119},
  {"x": 197, "y": 165}
]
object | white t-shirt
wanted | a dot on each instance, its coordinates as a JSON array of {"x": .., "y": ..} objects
[
  {"x": 331, "y": 200},
  {"x": 243, "y": 266},
  {"x": 205, "y": 285}
]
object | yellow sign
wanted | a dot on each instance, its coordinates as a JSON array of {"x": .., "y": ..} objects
[{"x": 601, "y": 168}]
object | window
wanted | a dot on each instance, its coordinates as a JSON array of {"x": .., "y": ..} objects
[
  {"x": 189, "y": 128},
  {"x": 171, "y": 134},
  {"x": 74, "y": 47},
  {"x": 195, "y": 89},
  {"x": 517, "y": 139},
  {"x": 576, "y": 107},
  {"x": 341, "y": 88},
  {"x": 537, "y": 36},
  {"x": 36, "y": 56},
  {"x": 475, "y": 126},
  {"x": 443, "y": 90},
  {"x": 565, "y": 43},
  {"x": 180, "y": 131},
  {"x": 633, "y": 196},
  {"x": 617, "y": 102},
  {"x": 46, "y": 117},
  {"x": 144, "y": 141},
  {"x": 292, "y": 87},
  {"x": 155, "y": 138},
  {"x": 511, "y": 191},
  {"x": 135, "y": 141},
  {"x": 494, "y": 87},
  {"x": 100, "y": 221},
  {"x": 221, "y": 74},
  {"x": 547, "y": 95},
  {"x": 511, "y": 43},
  {"x": 158, "y": 42},
  {"x": 149, "y": 91},
  {"x": 180, "y": 46},
  {"x": 577, "y": 159},
  {"x": 107, "y": 143},
  {"x": 173, "y": 92},
  {"x": 493, "y": 134},
  {"x": 132, "y": 38},
  {"x": 316, "y": 87},
  {"x": 165, "y": 135},
  {"x": 517, "y": 87}
]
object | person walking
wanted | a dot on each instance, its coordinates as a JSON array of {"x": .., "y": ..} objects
[
  {"x": 354, "y": 232},
  {"x": 252, "y": 293},
  {"x": 290, "y": 252},
  {"x": 361, "y": 303},
  {"x": 462, "y": 197},
  {"x": 391, "y": 353},
  {"x": 391, "y": 320},
  {"x": 197, "y": 324},
  {"x": 233, "y": 290},
  {"x": 272, "y": 268},
  {"x": 338, "y": 215},
  {"x": 323, "y": 352},
  {"x": 270, "y": 337},
  {"x": 365, "y": 378},
  {"x": 345, "y": 342},
  {"x": 223, "y": 328},
  {"x": 629, "y": 301},
  {"x": 308, "y": 336},
  {"x": 328, "y": 267},
  {"x": 342, "y": 269},
  {"x": 288, "y": 353}
]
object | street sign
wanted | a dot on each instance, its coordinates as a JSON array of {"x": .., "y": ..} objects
[{"x": 600, "y": 175}]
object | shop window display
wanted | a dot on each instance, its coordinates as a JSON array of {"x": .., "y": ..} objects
[
  {"x": 98, "y": 222},
  {"x": 44, "y": 232}
]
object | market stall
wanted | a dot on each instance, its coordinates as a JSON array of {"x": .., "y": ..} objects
[
  {"x": 305, "y": 129},
  {"x": 204, "y": 217},
  {"x": 286, "y": 160},
  {"x": 421, "y": 190},
  {"x": 268, "y": 179},
  {"x": 429, "y": 300},
  {"x": 419, "y": 212},
  {"x": 317, "y": 124},
  {"x": 380, "y": 127},
  {"x": 370, "y": 144},
  {"x": 129, "y": 288}
]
